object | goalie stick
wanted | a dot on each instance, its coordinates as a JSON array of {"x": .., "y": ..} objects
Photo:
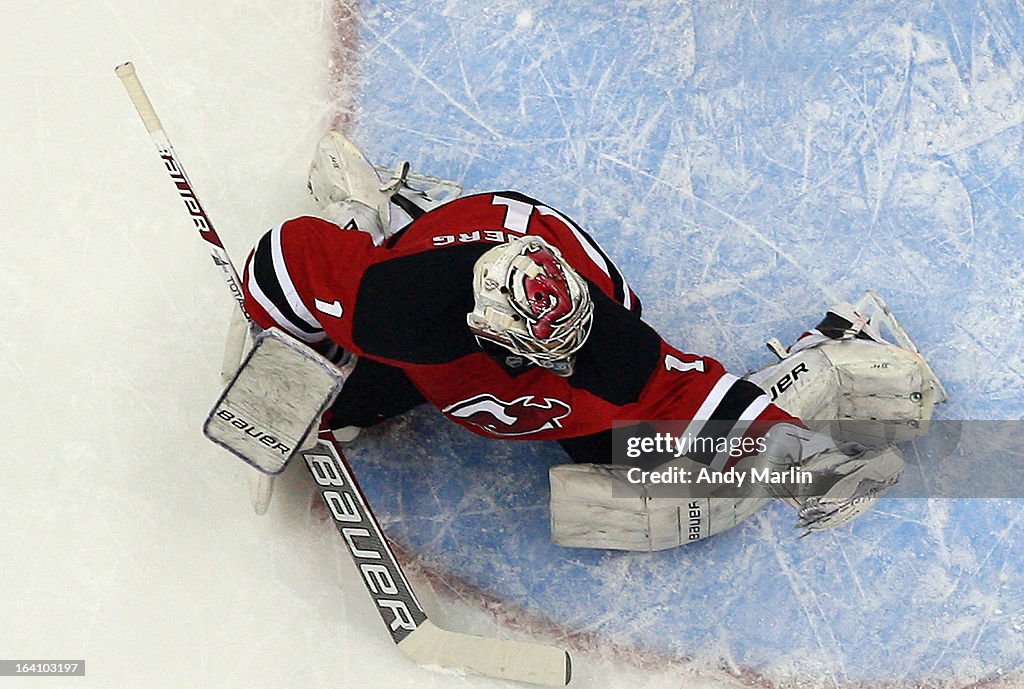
[{"x": 415, "y": 635}]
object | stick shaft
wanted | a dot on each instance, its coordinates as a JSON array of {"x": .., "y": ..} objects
[
  {"x": 330, "y": 463},
  {"x": 381, "y": 572},
  {"x": 133, "y": 86},
  {"x": 130, "y": 80}
]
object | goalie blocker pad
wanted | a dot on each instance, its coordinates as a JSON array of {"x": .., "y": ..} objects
[{"x": 274, "y": 402}]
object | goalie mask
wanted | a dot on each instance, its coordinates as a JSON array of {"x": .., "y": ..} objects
[{"x": 532, "y": 303}]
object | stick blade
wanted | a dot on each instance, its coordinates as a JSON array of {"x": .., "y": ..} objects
[{"x": 521, "y": 661}]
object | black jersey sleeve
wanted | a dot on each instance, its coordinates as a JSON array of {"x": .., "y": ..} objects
[{"x": 620, "y": 355}]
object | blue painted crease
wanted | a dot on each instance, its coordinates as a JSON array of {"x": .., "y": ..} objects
[{"x": 746, "y": 165}]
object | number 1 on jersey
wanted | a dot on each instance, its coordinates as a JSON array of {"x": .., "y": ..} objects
[{"x": 517, "y": 217}]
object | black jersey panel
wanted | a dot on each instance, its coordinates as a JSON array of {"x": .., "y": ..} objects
[
  {"x": 413, "y": 308},
  {"x": 620, "y": 356}
]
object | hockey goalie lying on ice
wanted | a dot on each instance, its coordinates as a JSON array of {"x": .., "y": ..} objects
[{"x": 511, "y": 320}]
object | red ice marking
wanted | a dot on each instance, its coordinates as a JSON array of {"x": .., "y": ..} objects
[
  {"x": 449, "y": 587},
  {"x": 342, "y": 59}
]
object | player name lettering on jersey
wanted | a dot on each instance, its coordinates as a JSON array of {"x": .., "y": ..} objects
[{"x": 496, "y": 236}]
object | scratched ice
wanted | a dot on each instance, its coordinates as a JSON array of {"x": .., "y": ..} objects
[{"x": 746, "y": 166}]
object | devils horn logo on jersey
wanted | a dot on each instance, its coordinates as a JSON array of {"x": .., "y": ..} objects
[
  {"x": 547, "y": 292},
  {"x": 521, "y": 416}
]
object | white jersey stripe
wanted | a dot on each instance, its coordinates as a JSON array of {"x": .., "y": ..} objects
[
  {"x": 627, "y": 297},
  {"x": 593, "y": 253},
  {"x": 710, "y": 403},
  {"x": 279, "y": 318},
  {"x": 742, "y": 425},
  {"x": 285, "y": 280}
]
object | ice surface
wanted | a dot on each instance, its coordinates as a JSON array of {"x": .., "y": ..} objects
[{"x": 746, "y": 164}]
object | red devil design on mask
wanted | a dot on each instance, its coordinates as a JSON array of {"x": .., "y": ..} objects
[{"x": 547, "y": 293}]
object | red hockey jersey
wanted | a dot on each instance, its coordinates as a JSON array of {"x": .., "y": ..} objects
[{"x": 405, "y": 304}]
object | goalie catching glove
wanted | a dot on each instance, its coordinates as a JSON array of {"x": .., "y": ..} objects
[
  {"x": 852, "y": 485},
  {"x": 845, "y": 481}
]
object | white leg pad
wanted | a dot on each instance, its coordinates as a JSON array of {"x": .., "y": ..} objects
[
  {"x": 274, "y": 402},
  {"x": 595, "y": 506},
  {"x": 354, "y": 215},
  {"x": 866, "y": 392}
]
